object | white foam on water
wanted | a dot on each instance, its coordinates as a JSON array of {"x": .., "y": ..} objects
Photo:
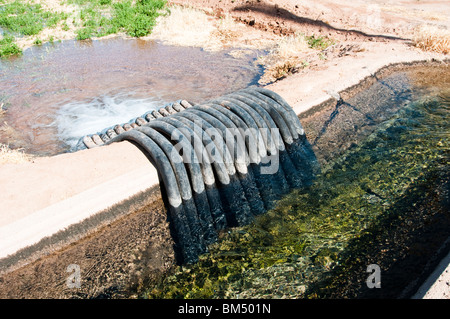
[{"x": 75, "y": 120}]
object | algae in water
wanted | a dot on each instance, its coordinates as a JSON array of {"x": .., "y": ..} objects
[{"x": 301, "y": 247}]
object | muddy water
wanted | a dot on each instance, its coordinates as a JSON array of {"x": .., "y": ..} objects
[{"x": 55, "y": 94}]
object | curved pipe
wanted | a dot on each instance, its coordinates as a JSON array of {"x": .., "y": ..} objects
[
  {"x": 212, "y": 193},
  {"x": 238, "y": 148},
  {"x": 191, "y": 141},
  {"x": 243, "y": 120},
  {"x": 210, "y": 160},
  {"x": 105, "y": 138},
  {"x": 249, "y": 136},
  {"x": 186, "y": 104},
  {"x": 184, "y": 185},
  {"x": 275, "y": 105},
  {"x": 119, "y": 129},
  {"x": 168, "y": 181},
  {"x": 275, "y": 116},
  {"x": 253, "y": 119},
  {"x": 156, "y": 114},
  {"x": 275, "y": 96},
  {"x": 279, "y": 181},
  {"x": 191, "y": 161},
  {"x": 140, "y": 121},
  {"x": 265, "y": 183},
  {"x": 169, "y": 108},
  {"x": 250, "y": 102},
  {"x": 149, "y": 116},
  {"x": 163, "y": 112},
  {"x": 215, "y": 118},
  {"x": 221, "y": 154},
  {"x": 189, "y": 157},
  {"x": 237, "y": 207},
  {"x": 294, "y": 149},
  {"x": 288, "y": 173},
  {"x": 177, "y": 107}
]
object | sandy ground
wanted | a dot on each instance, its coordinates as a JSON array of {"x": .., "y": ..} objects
[
  {"x": 437, "y": 285},
  {"x": 368, "y": 34},
  {"x": 340, "y": 19}
]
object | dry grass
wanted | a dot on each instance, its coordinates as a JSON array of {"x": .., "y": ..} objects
[
  {"x": 7, "y": 130},
  {"x": 431, "y": 38},
  {"x": 9, "y": 156},
  {"x": 184, "y": 26},
  {"x": 227, "y": 31},
  {"x": 285, "y": 57},
  {"x": 414, "y": 14},
  {"x": 187, "y": 26}
]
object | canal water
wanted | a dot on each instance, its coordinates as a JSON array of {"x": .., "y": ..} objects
[
  {"x": 380, "y": 202},
  {"x": 55, "y": 94}
]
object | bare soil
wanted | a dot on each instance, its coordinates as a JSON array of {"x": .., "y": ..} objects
[
  {"x": 342, "y": 20},
  {"x": 114, "y": 262}
]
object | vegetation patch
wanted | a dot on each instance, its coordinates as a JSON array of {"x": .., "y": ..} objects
[
  {"x": 27, "y": 18},
  {"x": 319, "y": 42},
  {"x": 291, "y": 54},
  {"x": 103, "y": 17},
  {"x": 8, "y": 46},
  {"x": 26, "y": 22},
  {"x": 430, "y": 38},
  {"x": 21, "y": 18}
]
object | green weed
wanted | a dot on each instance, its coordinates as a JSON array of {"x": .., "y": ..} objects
[
  {"x": 319, "y": 43},
  {"x": 8, "y": 46},
  {"x": 97, "y": 18},
  {"x": 27, "y": 18},
  {"x": 102, "y": 17},
  {"x": 37, "y": 41},
  {"x": 19, "y": 18}
]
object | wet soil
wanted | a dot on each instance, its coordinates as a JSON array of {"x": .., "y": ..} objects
[{"x": 115, "y": 261}]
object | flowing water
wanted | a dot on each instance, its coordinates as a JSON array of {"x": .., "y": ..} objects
[
  {"x": 382, "y": 198},
  {"x": 57, "y": 93}
]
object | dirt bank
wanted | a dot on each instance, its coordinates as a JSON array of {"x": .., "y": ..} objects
[
  {"x": 365, "y": 36},
  {"x": 342, "y": 20},
  {"x": 114, "y": 262}
]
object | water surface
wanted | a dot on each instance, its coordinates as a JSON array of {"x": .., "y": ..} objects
[
  {"x": 56, "y": 93},
  {"x": 382, "y": 198}
]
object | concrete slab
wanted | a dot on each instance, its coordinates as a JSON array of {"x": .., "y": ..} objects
[{"x": 437, "y": 286}]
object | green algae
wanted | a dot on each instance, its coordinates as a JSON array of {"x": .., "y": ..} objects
[{"x": 305, "y": 245}]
